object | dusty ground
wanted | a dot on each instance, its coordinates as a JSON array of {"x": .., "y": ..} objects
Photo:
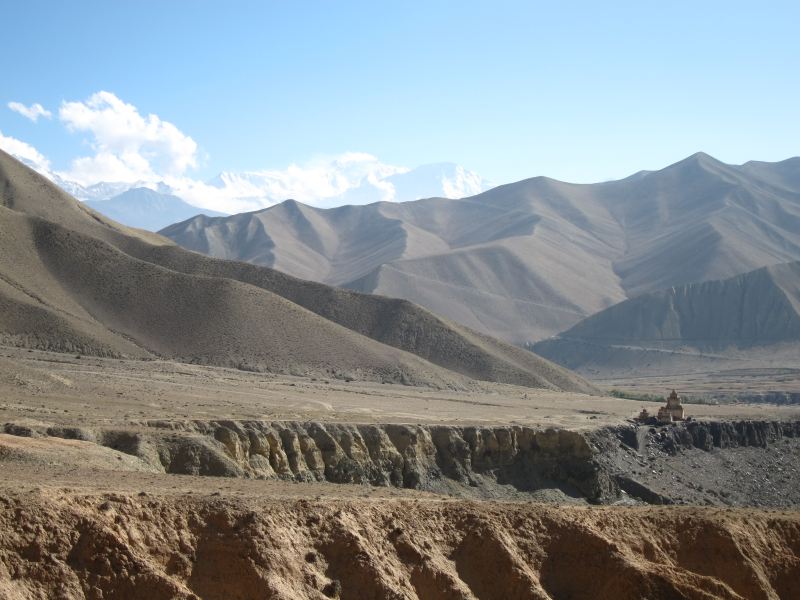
[
  {"x": 82, "y": 520},
  {"x": 60, "y": 388}
]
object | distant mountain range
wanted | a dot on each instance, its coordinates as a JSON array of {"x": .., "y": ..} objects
[
  {"x": 99, "y": 191},
  {"x": 72, "y": 280},
  {"x": 357, "y": 181},
  {"x": 690, "y": 266},
  {"x": 147, "y": 209},
  {"x": 528, "y": 260}
]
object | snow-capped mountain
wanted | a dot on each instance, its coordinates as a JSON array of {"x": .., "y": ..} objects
[
  {"x": 147, "y": 209},
  {"x": 351, "y": 178},
  {"x": 105, "y": 190}
]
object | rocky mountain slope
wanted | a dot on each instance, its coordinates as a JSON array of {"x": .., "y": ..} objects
[
  {"x": 530, "y": 259},
  {"x": 757, "y": 313},
  {"x": 147, "y": 209},
  {"x": 72, "y": 280}
]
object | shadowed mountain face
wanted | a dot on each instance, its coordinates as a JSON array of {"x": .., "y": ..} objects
[
  {"x": 754, "y": 314},
  {"x": 72, "y": 280},
  {"x": 758, "y": 307},
  {"x": 147, "y": 209},
  {"x": 527, "y": 260}
]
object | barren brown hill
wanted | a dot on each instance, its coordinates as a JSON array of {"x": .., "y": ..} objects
[
  {"x": 72, "y": 280},
  {"x": 530, "y": 259}
]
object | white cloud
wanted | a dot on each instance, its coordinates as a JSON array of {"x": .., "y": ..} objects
[
  {"x": 319, "y": 178},
  {"x": 32, "y": 112},
  {"x": 462, "y": 183},
  {"x": 314, "y": 182},
  {"x": 26, "y": 153},
  {"x": 128, "y": 147},
  {"x": 349, "y": 178},
  {"x": 130, "y": 150},
  {"x": 441, "y": 179}
]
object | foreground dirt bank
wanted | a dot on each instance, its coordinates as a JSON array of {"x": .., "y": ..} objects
[{"x": 61, "y": 544}]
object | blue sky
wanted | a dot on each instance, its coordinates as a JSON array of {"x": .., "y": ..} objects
[{"x": 581, "y": 91}]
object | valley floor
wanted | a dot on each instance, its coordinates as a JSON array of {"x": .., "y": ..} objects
[
  {"x": 773, "y": 385},
  {"x": 57, "y": 388}
]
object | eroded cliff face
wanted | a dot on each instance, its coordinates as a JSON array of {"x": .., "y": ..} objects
[
  {"x": 78, "y": 546},
  {"x": 433, "y": 458},
  {"x": 600, "y": 466}
]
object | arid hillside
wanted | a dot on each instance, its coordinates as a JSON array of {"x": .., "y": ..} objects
[{"x": 73, "y": 281}]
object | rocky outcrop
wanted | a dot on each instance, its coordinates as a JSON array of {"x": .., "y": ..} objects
[
  {"x": 473, "y": 461},
  {"x": 433, "y": 458}
]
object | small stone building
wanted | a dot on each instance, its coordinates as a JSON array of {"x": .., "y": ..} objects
[{"x": 672, "y": 411}]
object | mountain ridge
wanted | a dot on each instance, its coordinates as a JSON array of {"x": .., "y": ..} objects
[{"x": 582, "y": 246}]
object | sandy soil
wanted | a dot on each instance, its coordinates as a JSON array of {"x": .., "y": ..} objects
[{"x": 156, "y": 544}]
